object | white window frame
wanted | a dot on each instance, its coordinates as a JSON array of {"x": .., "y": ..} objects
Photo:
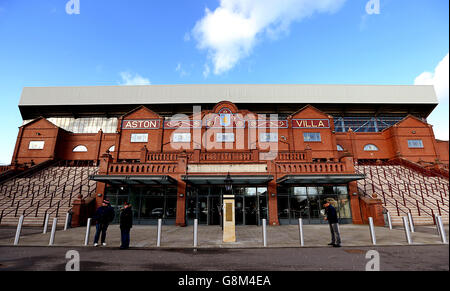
[
  {"x": 412, "y": 146},
  {"x": 318, "y": 133},
  {"x": 340, "y": 148},
  {"x": 36, "y": 145},
  {"x": 371, "y": 148},
  {"x": 225, "y": 137},
  {"x": 268, "y": 137},
  {"x": 181, "y": 137},
  {"x": 80, "y": 149},
  {"x": 112, "y": 149},
  {"x": 139, "y": 137}
]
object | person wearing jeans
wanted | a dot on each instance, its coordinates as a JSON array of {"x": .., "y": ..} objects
[
  {"x": 332, "y": 219},
  {"x": 103, "y": 217},
  {"x": 126, "y": 223}
]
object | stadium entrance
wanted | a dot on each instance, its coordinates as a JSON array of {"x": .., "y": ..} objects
[
  {"x": 149, "y": 203},
  {"x": 205, "y": 204}
]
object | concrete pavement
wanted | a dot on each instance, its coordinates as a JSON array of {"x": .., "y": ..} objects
[{"x": 211, "y": 236}]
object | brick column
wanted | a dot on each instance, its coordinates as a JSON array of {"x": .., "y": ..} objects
[
  {"x": 105, "y": 160},
  {"x": 354, "y": 203},
  {"x": 272, "y": 203},
  {"x": 181, "y": 204},
  {"x": 77, "y": 208}
]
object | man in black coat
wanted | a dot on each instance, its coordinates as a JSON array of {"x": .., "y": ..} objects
[
  {"x": 103, "y": 217},
  {"x": 332, "y": 219},
  {"x": 126, "y": 223}
]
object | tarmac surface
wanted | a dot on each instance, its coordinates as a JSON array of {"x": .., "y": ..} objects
[
  {"x": 393, "y": 258},
  {"x": 211, "y": 236}
]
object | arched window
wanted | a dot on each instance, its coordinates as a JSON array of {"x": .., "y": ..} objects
[
  {"x": 111, "y": 149},
  {"x": 370, "y": 148},
  {"x": 340, "y": 148},
  {"x": 80, "y": 149}
]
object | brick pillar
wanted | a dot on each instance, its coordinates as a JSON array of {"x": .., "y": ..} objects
[
  {"x": 308, "y": 154},
  {"x": 181, "y": 204},
  {"x": 78, "y": 206},
  {"x": 144, "y": 151},
  {"x": 354, "y": 203},
  {"x": 105, "y": 160},
  {"x": 272, "y": 203},
  {"x": 372, "y": 207}
]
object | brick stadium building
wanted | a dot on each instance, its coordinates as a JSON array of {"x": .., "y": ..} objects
[{"x": 169, "y": 149}]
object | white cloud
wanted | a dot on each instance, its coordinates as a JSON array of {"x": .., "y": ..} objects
[
  {"x": 206, "y": 71},
  {"x": 181, "y": 70},
  {"x": 128, "y": 79},
  {"x": 440, "y": 80},
  {"x": 230, "y": 32}
]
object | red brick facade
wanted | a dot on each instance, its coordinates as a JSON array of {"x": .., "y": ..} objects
[{"x": 293, "y": 155}]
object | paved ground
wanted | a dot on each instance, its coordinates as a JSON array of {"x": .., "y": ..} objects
[
  {"x": 394, "y": 258},
  {"x": 211, "y": 236}
]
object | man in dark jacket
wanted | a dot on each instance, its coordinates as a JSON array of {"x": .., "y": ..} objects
[
  {"x": 103, "y": 217},
  {"x": 332, "y": 219},
  {"x": 126, "y": 223}
]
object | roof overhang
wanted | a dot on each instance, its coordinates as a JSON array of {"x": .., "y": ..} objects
[
  {"x": 220, "y": 179},
  {"x": 134, "y": 180},
  {"x": 320, "y": 179}
]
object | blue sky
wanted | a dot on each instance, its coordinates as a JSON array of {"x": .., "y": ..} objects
[{"x": 114, "y": 42}]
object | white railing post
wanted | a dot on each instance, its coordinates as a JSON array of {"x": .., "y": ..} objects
[
  {"x": 411, "y": 222},
  {"x": 195, "y": 233},
  {"x": 158, "y": 240},
  {"x": 372, "y": 231},
  {"x": 52, "y": 235},
  {"x": 66, "y": 224},
  {"x": 389, "y": 220},
  {"x": 407, "y": 233},
  {"x": 47, "y": 216},
  {"x": 300, "y": 229},
  {"x": 264, "y": 232},
  {"x": 88, "y": 231},
  {"x": 442, "y": 230},
  {"x": 19, "y": 230}
]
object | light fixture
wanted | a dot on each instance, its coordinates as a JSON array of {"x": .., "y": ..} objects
[
  {"x": 181, "y": 195},
  {"x": 99, "y": 194},
  {"x": 228, "y": 183},
  {"x": 273, "y": 194}
]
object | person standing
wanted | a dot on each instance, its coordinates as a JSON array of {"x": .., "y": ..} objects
[
  {"x": 332, "y": 218},
  {"x": 103, "y": 217},
  {"x": 126, "y": 223}
]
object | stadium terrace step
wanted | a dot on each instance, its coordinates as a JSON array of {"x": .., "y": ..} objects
[{"x": 404, "y": 191}]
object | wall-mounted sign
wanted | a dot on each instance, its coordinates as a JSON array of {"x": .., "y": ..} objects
[
  {"x": 141, "y": 124},
  {"x": 310, "y": 123},
  {"x": 268, "y": 124},
  {"x": 225, "y": 118},
  {"x": 36, "y": 145},
  {"x": 138, "y": 137},
  {"x": 174, "y": 124},
  {"x": 225, "y": 137},
  {"x": 181, "y": 137}
]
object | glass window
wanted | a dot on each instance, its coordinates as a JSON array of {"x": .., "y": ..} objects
[
  {"x": 181, "y": 137},
  {"x": 415, "y": 144},
  {"x": 224, "y": 137},
  {"x": 36, "y": 145},
  {"x": 311, "y": 136},
  {"x": 340, "y": 148},
  {"x": 300, "y": 191},
  {"x": 344, "y": 207},
  {"x": 111, "y": 149},
  {"x": 283, "y": 207},
  {"x": 341, "y": 190},
  {"x": 141, "y": 137},
  {"x": 268, "y": 137},
  {"x": 80, "y": 149},
  {"x": 370, "y": 148}
]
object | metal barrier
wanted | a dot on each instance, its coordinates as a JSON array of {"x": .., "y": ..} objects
[
  {"x": 66, "y": 223},
  {"x": 47, "y": 216},
  {"x": 442, "y": 230},
  {"x": 88, "y": 232},
  {"x": 264, "y": 221},
  {"x": 19, "y": 230},
  {"x": 372, "y": 231},
  {"x": 300, "y": 230},
  {"x": 52, "y": 235},
  {"x": 411, "y": 222},
  {"x": 195, "y": 233},
  {"x": 407, "y": 233},
  {"x": 158, "y": 240},
  {"x": 389, "y": 220}
]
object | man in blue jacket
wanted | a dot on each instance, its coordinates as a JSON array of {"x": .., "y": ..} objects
[
  {"x": 332, "y": 219},
  {"x": 103, "y": 217}
]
